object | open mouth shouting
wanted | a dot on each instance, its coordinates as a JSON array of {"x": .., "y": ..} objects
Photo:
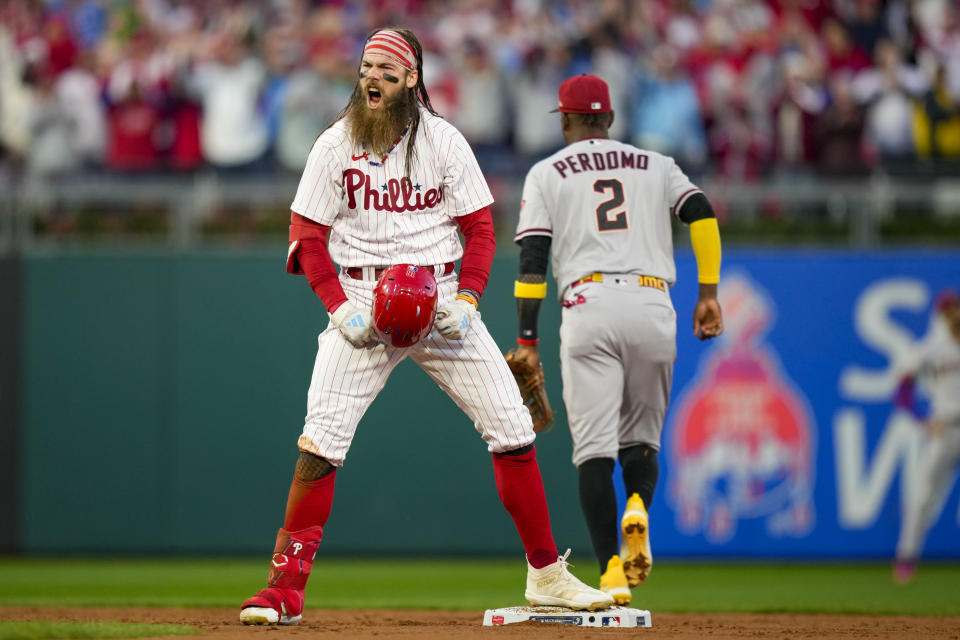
[{"x": 374, "y": 97}]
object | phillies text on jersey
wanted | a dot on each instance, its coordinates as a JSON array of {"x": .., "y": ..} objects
[{"x": 378, "y": 214}]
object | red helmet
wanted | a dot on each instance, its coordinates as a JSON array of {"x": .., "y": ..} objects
[
  {"x": 946, "y": 299},
  {"x": 404, "y": 304}
]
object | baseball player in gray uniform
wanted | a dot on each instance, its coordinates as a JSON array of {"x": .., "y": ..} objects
[
  {"x": 603, "y": 209},
  {"x": 935, "y": 363}
]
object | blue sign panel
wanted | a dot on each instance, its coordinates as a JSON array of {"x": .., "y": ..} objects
[{"x": 782, "y": 438}]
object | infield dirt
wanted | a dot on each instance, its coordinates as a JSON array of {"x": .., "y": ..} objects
[{"x": 222, "y": 623}]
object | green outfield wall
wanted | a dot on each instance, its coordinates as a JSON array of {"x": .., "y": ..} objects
[
  {"x": 9, "y": 402},
  {"x": 161, "y": 400}
]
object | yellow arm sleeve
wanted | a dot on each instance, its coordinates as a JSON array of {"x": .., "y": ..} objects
[
  {"x": 705, "y": 238},
  {"x": 530, "y": 290}
]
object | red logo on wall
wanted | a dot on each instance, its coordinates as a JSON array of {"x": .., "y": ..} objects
[{"x": 741, "y": 439}]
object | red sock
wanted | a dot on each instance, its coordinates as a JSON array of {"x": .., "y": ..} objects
[
  {"x": 309, "y": 503},
  {"x": 521, "y": 491}
]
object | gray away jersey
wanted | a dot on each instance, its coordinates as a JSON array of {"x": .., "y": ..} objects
[{"x": 607, "y": 207}]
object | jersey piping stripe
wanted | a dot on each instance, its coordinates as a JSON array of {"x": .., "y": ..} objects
[
  {"x": 682, "y": 199},
  {"x": 534, "y": 231}
]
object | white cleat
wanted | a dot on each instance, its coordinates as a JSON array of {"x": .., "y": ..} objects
[
  {"x": 267, "y": 615},
  {"x": 555, "y": 586}
]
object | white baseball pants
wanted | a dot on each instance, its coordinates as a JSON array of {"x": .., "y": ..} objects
[{"x": 472, "y": 371}]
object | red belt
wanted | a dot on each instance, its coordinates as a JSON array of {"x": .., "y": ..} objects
[{"x": 357, "y": 272}]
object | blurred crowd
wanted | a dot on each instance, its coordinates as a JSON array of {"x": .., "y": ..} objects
[{"x": 740, "y": 89}]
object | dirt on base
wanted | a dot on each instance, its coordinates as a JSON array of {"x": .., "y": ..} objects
[{"x": 385, "y": 624}]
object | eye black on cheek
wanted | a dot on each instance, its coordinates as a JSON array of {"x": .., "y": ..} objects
[{"x": 390, "y": 78}]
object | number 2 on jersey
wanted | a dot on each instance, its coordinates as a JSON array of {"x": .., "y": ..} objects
[{"x": 605, "y": 222}]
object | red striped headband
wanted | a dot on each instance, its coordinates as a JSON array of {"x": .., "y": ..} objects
[{"x": 392, "y": 45}]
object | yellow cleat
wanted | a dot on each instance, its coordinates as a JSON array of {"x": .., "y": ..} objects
[
  {"x": 614, "y": 582},
  {"x": 635, "y": 547}
]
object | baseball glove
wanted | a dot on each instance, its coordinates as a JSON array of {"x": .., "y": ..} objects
[{"x": 534, "y": 392}]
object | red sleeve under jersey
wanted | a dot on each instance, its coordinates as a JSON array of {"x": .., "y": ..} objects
[
  {"x": 308, "y": 255},
  {"x": 480, "y": 243}
]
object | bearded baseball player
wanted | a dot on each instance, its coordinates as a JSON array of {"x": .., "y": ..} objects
[
  {"x": 935, "y": 363},
  {"x": 605, "y": 208},
  {"x": 385, "y": 190}
]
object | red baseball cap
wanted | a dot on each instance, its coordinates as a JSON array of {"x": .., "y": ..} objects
[{"x": 584, "y": 94}]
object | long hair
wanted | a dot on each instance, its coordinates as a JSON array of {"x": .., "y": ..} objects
[
  {"x": 418, "y": 93},
  {"x": 415, "y": 96}
]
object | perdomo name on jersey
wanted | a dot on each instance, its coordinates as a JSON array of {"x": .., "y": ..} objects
[{"x": 600, "y": 162}]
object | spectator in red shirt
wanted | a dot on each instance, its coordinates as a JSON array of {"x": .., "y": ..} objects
[
  {"x": 61, "y": 49},
  {"x": 134, "y": 97},
  {"x": 132, "y": 124},
  {"x": 184, "y": 115},
  {"x": 841, "y": 51}
]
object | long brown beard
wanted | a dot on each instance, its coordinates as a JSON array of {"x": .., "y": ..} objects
[{"x": 378, "y": 130}]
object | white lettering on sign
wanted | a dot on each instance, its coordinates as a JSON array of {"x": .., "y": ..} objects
[
  {"x": 863, "y": 485},
  {"x": 864, "y": 479},
  {"x": 879, "y": 331}
]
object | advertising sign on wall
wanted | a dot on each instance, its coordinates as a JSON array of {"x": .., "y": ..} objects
[{"x": 782, "y": 438}]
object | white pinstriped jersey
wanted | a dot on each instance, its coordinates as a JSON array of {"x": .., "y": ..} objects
[
  {"x": 936, "y": 362},
  {"x": 377, "y": 215},
  {"x": 607, "y": 206}
]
